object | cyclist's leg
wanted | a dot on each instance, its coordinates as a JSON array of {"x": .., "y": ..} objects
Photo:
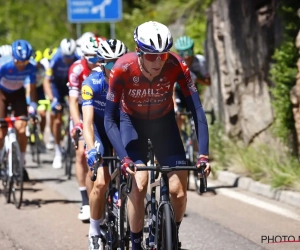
[
  {"x": 81, "y": 170},
  {"x": 169, "y": 151},
  {"x": 97, "y": 195},
  {"x": 59, "y": 91},
  {"x": 3, "y": 131},
  {"x": 136, "y": 145},
  {"x": 41, "y": 108},
  {"x": 19, "y": 106},
  {"x": 18, "y": 102}
]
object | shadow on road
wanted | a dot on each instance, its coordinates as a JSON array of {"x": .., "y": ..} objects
[
  {"x": 40, "y": 202},
  {"x": 57, "y": 180}
]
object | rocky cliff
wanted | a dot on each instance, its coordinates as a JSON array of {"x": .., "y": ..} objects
[{"x": 241, "y": 37}]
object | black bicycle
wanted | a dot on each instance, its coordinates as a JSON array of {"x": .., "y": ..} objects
[
  {"x": 162, "y": 231},
  {"x": 115, "y": 230}
]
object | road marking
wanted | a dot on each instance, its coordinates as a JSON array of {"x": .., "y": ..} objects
[{"x": 259, "y": 203}]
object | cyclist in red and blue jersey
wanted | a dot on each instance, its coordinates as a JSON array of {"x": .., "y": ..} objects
[
  {"x": 142, "y": 85},
  {"x": 56, "y": 89},
  {"x": 94, "y": 91},
  {"x": 78, "y": 72},
  {"x": 15, "y": 72}
]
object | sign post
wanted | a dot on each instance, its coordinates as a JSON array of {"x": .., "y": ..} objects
[{"x": 95, "y": 11}]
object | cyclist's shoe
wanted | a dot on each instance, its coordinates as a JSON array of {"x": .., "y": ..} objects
[
  {"x": 25, "y": 175},
  {"x": 84, "y": 213},
  {"x": 50, "y": 145},
  {"x": 95, "y": 243},
  {"x": 57, "y": 161}
]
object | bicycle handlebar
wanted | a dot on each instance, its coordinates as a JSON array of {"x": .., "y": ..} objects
[
  {"x": 97, "y": 164},
  {"x": 167, "y": 169}
]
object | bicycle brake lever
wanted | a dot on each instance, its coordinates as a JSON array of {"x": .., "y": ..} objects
[
  {"x": 129, "y": 179},
  {"x": 203, "y": 180},
  {"x": 97, "y": 164}
]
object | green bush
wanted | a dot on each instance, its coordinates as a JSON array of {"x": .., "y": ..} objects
[{"x": 283, "y": 72}]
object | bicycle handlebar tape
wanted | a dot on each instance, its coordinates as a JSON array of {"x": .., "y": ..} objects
[
  {"x": 129, "y": 179},
  {"x": 76, "y": 138},
  {"x": 94, "y": 176},
  {"x": 203, "y": 180}
]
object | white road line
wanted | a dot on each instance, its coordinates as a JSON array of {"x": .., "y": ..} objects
[{"x": 258, "y": 203}]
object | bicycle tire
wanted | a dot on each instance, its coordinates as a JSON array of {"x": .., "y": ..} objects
[
  {"x": 147, "y": 218},
  {"x": 125, "y": 223},
  {"x": 35, "y": 148},
  {"x": 167, "y": 232},
  {"x": 68, "y": 158},
  {"x": 5, "y": 178},
  {"x": 17, "y": 177}
]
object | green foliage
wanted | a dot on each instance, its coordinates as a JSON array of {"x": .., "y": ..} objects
[
  {"x": 284, "y": 71},
  {"x": 44, "y": 23},
  {"x": 269, "y": 164}
]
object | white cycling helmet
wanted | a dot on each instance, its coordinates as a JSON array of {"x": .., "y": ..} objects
[
  {"x": 67, "y": 46},
  {"x": 90, "y": 46},
  {"x": 5, "y": 50},
  {"x": 111, "y": 49},
  {"x": 85, "y": 36},
  {"x": 153, "y": 37}
]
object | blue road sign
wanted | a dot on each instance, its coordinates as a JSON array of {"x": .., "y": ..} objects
[{"x": 88, "y": 11}]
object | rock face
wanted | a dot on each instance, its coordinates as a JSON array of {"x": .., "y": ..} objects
[
  {"x": 240, "y": 40},
  {"x": 295, "y": 94}
]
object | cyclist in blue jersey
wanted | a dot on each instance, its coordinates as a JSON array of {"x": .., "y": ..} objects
[
  {"x": 93, "y": 92},
  {"x": 56, "y": 89},
  {"x": 16, "y": 71}
]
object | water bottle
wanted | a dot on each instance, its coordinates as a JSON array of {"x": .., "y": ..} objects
[{"x": 116, "y": 197}]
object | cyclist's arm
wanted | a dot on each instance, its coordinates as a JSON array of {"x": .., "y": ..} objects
[
  {"x": 32, "y": 92},
  {"x": 193, "y": 101},
  {"x": 88, "y": 124},
  {"x": 174, "y": 98},
  {"x": 47, "y": 82},
  {"x": 74, "y": 110},
  {"x": 116, "y": 85},
  {"x": 47, "y": 88},
  {"x": 32, "y": 85}
]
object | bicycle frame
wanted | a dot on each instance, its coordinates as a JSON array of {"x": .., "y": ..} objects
[
  {"x": 163, "y": 183},
  {"x": 117, "y": 182},
  {"x": 11, "y": 138}
]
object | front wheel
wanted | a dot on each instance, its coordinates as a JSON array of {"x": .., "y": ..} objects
[
  {"x": 167, "y": 232},
  {"x": 17, "y": 177}
]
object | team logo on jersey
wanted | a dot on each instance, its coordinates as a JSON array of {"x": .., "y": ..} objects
[
  {"x": 87, "y": 93},
  {"x": 136, "y": 79}
]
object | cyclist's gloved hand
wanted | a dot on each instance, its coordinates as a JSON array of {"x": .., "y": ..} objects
[
  {"x": 54, "y": 104},
  {"x": 78, "y": 126},
  {"x": 32, "y": 108},
  {"x": 91, "y": 158},
  {"x": 204, "y": 160},
  {"x": 126, "y": 162}
]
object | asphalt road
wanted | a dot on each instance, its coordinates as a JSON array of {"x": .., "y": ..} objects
[{"x": 224, "y": 218}]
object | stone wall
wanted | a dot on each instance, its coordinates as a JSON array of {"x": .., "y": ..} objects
[{"x": 240, "y": 40}]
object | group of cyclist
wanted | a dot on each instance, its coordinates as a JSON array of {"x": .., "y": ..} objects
[{"x": 117, "y": 99}]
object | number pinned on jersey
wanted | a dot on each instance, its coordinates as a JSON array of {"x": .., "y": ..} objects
[{"x": 87, "y": 93}]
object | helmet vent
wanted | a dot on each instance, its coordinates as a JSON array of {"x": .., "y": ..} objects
[{"x": 159, "y": 40}]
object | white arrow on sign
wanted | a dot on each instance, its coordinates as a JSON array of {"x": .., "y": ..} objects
[{"x": 101, "y": 8}]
